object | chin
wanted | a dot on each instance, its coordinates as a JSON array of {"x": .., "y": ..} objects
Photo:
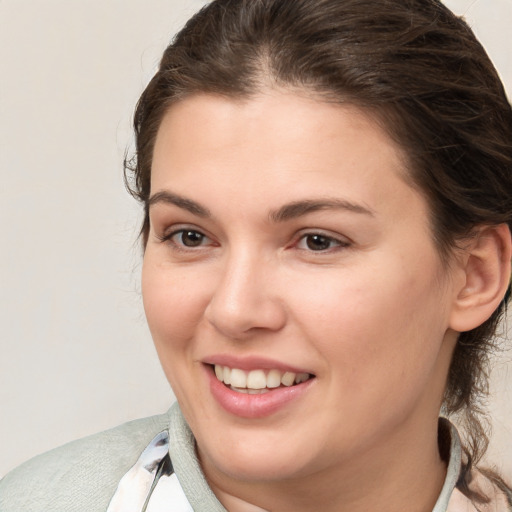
[
  {"x": 257, "y": 456},
  {"x": 263, "y": 468}
]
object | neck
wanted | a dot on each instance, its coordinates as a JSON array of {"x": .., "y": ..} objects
[{"x": 401, "y": 475}]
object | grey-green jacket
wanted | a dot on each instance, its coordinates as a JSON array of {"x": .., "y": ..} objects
[{"x": 82, "y": 476}]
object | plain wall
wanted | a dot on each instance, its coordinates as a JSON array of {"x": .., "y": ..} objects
[{"x": 76, "y": 355}]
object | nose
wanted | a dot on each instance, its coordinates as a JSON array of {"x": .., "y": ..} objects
[{"x": 246, "y": 298}]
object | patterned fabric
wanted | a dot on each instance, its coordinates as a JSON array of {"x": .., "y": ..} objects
[{"x": 151, "y": 485}]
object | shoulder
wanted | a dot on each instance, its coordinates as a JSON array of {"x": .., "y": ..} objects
[{"x": 81, "y": 475}]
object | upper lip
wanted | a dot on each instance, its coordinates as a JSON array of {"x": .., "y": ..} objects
[{"x": 254, "y": 362}]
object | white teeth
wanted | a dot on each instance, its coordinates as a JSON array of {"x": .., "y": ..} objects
[
  {"x": 248, "y": 391},
  {"x": 288, "y": 379},
  {"x": 219, "y": 372},
  {"x": 256, "y": 391},
  {"x": 238, "y": 378},
  {"x": 257, "y": 381},
  {"x": 273, "y": 379}
]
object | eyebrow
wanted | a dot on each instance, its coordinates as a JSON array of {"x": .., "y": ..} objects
[
  {"x": 299, "y": 208},
  {"x": 167, "y": 197},
  {"x": 286, "y": 212}
]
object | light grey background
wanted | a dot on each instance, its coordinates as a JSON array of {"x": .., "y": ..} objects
[{"x": 76, "y": 356}]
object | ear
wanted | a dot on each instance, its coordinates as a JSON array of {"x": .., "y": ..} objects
[{"x": 486, "y": 276}]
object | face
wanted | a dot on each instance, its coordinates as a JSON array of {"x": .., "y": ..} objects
[{"x": 291, "y": 285}]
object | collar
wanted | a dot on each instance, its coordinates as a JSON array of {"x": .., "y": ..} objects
[{"x": 154, "y": 481}]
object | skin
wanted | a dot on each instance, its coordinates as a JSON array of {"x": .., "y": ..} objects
[{"x": 369, "y": 315}]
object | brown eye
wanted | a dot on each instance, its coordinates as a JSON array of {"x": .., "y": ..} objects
[
  {"x": 318, "y": 242},
  {"x": 189, "y": 238}
]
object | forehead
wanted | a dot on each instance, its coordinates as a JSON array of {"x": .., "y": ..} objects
[
  {"x": 280, "y": 146},
  {"x": 281, "y": 132}
]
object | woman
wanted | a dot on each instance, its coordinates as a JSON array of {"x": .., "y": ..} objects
[{"x": 327, "y": 250}]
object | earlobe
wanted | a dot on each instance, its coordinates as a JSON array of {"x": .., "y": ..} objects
[{"x": 486, "y": 268}]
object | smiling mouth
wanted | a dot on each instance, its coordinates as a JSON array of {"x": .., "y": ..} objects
[{"x": 258, "y": 381}]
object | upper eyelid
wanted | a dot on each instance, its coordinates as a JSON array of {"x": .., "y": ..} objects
[
  {"x": 336, "y": 244},
  {"x": 176, "y": 228},
  {"x": 167, "y": 234},
  {"x": 343, "y": 239}
]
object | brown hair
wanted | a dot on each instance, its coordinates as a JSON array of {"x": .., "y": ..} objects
[{"x": 416, "y": 66}]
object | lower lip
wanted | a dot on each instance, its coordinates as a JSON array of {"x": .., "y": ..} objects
[{"x": 261, "y": 405}]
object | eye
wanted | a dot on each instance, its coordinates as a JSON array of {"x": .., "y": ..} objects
[
  {"x": 188, "y": 238},
  {"x": 318, "y": 242}
]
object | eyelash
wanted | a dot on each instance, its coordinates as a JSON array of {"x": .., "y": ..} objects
[
  {"x": 168, "y": 238},
  {"x": 332, "y": 242}
]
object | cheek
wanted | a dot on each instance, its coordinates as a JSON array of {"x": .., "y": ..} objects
[
  {"x": 174, "y": 303},
  {"x": 375, "y": 326},
  {"x": 380, "y": 350}
]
